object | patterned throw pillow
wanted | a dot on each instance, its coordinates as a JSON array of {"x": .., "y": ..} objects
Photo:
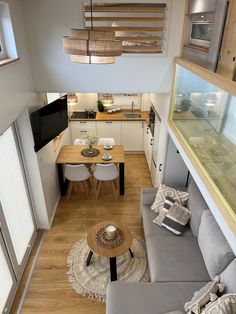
[
  {"x": 164, "y": 191},
  {"x": 226, "y": 304},
  {"x": 176, "y": 218},
  {"x": 204, "y": 296},
  {"x": 167, "y": 205}
]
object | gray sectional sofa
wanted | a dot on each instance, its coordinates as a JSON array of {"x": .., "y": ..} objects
[{"x": 179, "y": 265}]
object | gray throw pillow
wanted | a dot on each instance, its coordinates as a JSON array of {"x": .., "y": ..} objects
[
  {"x": 167, "y": 205},
  {"x": 215, "y": 249},
  {"x": 176, "y": 218},
  {"x": 164, "y": 191}
]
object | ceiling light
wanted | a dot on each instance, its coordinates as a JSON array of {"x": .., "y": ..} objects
[
  {"x": 92, "y": 46},
  {"x": 72, "y": 99},
  {"x": 107, "y": 99}
]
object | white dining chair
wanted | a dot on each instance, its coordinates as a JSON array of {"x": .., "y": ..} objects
[
  {"x": 77, "y": 173},
  {"x": 106, "y": 172},
  {"x": 106, "y": 141},
  {"x": 79, "y": 141}
]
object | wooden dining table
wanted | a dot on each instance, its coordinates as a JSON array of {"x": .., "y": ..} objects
[{"x": 71, "y": 154}]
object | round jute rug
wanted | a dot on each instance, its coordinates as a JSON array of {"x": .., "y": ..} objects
[{"x": 91, "y": 281}]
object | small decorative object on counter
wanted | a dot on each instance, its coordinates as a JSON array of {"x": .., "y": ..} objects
[
  {"x": 100, "y": 105},
  {"x": 111, "y": 231}
]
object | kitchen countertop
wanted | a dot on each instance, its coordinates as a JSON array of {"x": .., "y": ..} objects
[{"x": 117, "y": 116}]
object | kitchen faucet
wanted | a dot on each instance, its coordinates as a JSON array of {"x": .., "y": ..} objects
[{"x": 132, "y": 106}]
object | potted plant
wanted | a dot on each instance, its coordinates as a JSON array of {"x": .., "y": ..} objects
[
  {"x": 90, "y": 139},
  {"x": 100, "y": 105}
]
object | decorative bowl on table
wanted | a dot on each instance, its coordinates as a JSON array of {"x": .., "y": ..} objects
[
  {"x": 108, "y": 146},
  {"x": 106, "y": 157}
]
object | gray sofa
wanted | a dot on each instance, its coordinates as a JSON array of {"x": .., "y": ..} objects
[{"x": 178, "y": 265}]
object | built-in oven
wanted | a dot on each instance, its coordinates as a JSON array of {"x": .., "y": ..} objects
[{"x": 152, "y": 117}]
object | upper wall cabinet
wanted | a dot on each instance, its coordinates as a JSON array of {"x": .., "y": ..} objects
[{"x": 203, "y": 117}]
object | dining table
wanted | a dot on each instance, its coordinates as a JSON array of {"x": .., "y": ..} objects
[{"x": 72, "y": 154}]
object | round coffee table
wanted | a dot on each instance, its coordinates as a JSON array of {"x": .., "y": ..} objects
[{"x": 111, "y": 253}]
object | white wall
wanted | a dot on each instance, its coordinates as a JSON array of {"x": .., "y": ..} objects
[
  {"x": 48, "y": 21},
  {"x": 47, "y": 157},
  {"x": 16, "y": 84},
  {"x": 16, "y": 95}
]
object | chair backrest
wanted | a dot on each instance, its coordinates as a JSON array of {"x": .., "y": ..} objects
[
  {"x": 79, "y": 141},
  {"x": 76, "y": 172},
  {"x": 106, "y": 141},
  {"x": 106, "y": 172}
]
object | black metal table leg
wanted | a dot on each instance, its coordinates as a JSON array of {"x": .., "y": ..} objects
[
  {"x": 131, "y": 253},
  {"x": 88, "y": 260},
  {"x": 122, "y": 178},
  {"x": 113, "y": 270},
  {"x": 62, "y": 181}
]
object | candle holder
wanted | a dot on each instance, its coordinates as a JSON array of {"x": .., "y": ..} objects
[{"x": 111, "y": 231}]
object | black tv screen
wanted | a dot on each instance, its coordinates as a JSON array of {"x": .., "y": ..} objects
[{"x": 48, "y": 122}]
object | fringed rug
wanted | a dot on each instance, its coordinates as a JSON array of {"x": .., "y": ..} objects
[{"x": 91, "y": 281}]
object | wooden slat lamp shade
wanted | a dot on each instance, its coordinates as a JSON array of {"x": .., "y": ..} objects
[
  {"x": 91, "y": 46},
  {"x": 140, "y": 26}
]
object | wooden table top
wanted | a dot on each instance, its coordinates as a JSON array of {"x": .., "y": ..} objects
[
  {"x": 113, "y": 252},
  {"x": 72, "y": 154}
]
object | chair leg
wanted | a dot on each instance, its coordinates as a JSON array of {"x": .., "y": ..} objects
[
  {"x": 89, "y": 183},
  {"x": 98, "y": 188},
  {"x": 85, "y": 189},
  {"x": 114, "y": 190},
  {"x": 69, "y": 190}
]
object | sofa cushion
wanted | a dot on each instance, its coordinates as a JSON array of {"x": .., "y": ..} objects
[
  {"x": 175, "y": 259},
  {"x": 215, "y": 249},
  {"x": 228, "y": 277},
  {"x": 196, "y": 205},
  {"x": 147, "y": 196},
  {"x": 151, "y": 229},
  {"x": 150, "y": 298},
  {"x": 163, "y": 191}
]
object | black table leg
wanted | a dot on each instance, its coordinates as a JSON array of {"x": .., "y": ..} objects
[
  {"x": 122, "y": 178},
  {"x": 62, "y": 181},
  {"x": 113, "y": 270},
  {"x": 88, "y": 260},
  {"x": 131, "y": 253}
]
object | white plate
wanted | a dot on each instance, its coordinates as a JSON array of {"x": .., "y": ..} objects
[
  {"x": 107, "y": 158},
  {"x": 107, "y": 147}
]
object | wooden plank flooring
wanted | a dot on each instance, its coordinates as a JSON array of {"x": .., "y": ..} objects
[{"x": 50, "y": 291}]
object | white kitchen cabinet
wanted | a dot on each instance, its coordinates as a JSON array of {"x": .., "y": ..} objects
[
  {"x": 147, "y": 145},
  {"x": 109, "y": 129},
  {"x": 132, "y": 135},
  {"x": 80, "y": 128}
]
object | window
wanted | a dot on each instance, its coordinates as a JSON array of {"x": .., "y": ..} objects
[
  {"x": 7, "y": 41},
  {"x": 140, "y": 26}
]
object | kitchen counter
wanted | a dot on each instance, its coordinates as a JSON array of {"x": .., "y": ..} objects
[{"x": 116, "y": 116}]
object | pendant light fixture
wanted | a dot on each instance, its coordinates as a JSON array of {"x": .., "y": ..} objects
[
  {"x": 92, "y": 46},
  {"x": 107, "y": 99}
]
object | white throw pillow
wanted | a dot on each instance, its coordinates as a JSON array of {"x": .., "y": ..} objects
[
  {"x": 204, "y": 295},
  {"x": 225, "y": 304},
  {"x": 164, "y": 191}
]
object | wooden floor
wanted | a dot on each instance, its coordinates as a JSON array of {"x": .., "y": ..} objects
[{"x": 50, "y": 291}]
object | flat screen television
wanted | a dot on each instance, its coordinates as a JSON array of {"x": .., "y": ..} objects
[{"x": 48, "y": 122}]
